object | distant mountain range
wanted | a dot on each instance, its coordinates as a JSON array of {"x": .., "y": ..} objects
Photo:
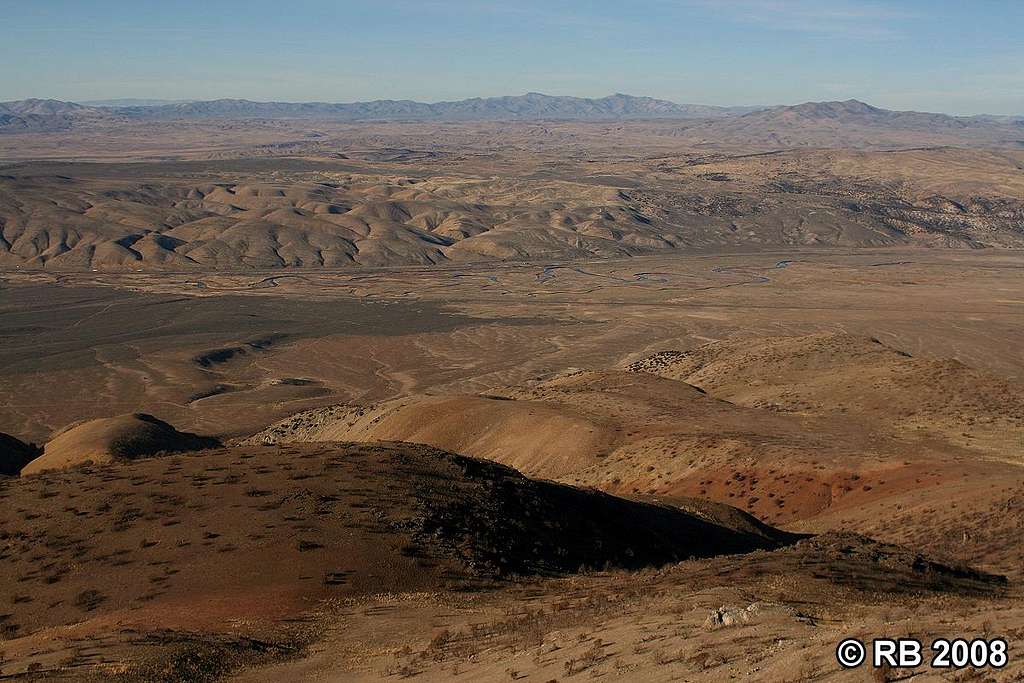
[
  {"x": 857, "y": 112},
  {"x": 529, "y": 106},
  {"x": 131, "y": 102},
  {"x": 24, "y": 116},
  {"x": 27, "y": 115},
  {"x": 854, "y": 124},
  {"x": 850, "y": 123}
]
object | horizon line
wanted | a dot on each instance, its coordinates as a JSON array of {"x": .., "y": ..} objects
[{"x": 157, "y": 102}]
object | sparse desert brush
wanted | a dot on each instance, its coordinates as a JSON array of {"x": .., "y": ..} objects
[
  {"x": 440, "y": 641},
  {"x": 594, "y": 655},
  {"x": 661, "y": 657}
]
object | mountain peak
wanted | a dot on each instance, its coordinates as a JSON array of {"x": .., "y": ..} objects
[{"x": 834, "y": 108}]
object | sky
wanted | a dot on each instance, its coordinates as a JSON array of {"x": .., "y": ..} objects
[{"x": 929, "y": 55}]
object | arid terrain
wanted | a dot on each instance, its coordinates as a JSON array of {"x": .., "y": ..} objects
[{"x": 542, "y": 389}]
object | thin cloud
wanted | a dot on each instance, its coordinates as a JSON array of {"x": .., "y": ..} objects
[{"x": 860, "y": 20}]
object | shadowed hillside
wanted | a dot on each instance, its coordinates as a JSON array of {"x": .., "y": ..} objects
[
  {"x": 280, "y": 526},
  {"x": 15, "y": 454}
]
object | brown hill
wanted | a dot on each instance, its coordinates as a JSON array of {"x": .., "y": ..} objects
[
  {"x": 628, "y": 433},
  {"x": 15, "y": 454},
  {"x": 859, "y": 377},
  {"x": 124, "y": 437},
  {"x": 574, "y": 426},
  {"x": 568, "y": 422},
  {"x": 540, "y": 438},
  {"x": 814, "y": 431},
  {"x": 252, "y": 533}
]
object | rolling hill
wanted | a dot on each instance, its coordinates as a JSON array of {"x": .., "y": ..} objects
[
  {"x": 98, "y": 216},
  {"x": 123, "y": 437}
]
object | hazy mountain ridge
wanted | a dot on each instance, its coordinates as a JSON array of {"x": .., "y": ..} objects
[
  {"x": 852, "y": 123},
  {"x": 849, "y": 123},
  {"x": 131, "y": 102},
  {"x": 855, "y": 111},
  {"x": 531, "y": 105},
  {"x": 33, "y": 114},
  {"x": 36, "y": 115}
]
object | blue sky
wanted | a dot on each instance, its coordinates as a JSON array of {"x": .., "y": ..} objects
[{"x": 957, "y": 57}]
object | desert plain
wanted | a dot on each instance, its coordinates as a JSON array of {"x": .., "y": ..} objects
[{"x": 552, "y": 400}]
